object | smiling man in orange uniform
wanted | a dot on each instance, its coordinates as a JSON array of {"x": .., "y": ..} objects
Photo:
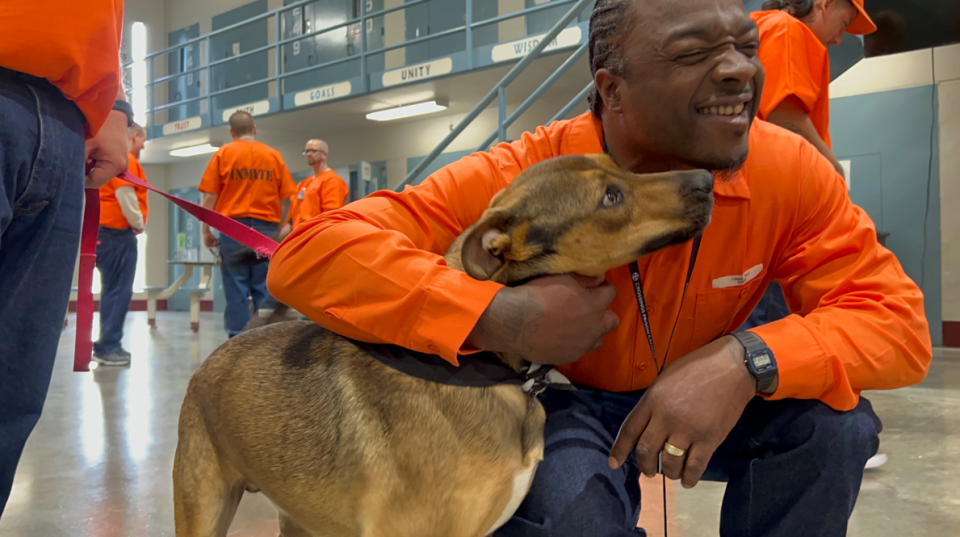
[
  {"x": 248, "y": 181},
  {"x": 783, "y": 424},
  {"x": 123, "y": 216},
  {"x": 60, "y": 103}
]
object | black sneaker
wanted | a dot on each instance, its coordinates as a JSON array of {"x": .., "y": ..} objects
[
  {"x": 115, "y": 358},
  {"x": 124, "y": 352}
]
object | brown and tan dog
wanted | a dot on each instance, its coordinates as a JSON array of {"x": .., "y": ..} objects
[{"x": 344, "y": 445}]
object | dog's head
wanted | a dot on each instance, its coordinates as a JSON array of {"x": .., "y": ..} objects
[{"x": 582, "y": 214}]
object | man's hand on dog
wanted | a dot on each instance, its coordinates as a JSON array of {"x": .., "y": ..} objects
[
  {"x": 693, "y": 406},
  {"x": 551, "y": 320}
]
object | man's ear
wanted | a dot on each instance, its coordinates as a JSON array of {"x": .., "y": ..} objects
[
  {"x": 608, "y": 89},
  {"x": 482, "y": 252}
]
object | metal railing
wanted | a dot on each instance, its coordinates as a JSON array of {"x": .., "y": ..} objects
[
  {"x": 499, "y": 93},
  {"x": 363, "y": 56}
]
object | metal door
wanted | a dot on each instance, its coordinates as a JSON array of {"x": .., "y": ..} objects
[
  {"x": 187, "y": 86},
  {"x": 243, "y": 70}
]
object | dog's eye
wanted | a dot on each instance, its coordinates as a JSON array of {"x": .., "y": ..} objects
[{"x": 613, "y": 197}]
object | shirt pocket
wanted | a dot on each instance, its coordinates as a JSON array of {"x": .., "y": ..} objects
[{"x": 716, "y": 309}]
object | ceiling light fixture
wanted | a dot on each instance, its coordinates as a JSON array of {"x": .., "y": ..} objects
[
  {"x": 194, "y": 150},
  {"x": 409, "y": 110}
]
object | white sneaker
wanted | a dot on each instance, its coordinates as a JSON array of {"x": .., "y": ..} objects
[{"x": 876, "y": 461}]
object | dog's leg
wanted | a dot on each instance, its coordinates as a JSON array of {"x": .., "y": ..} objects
[
  {"x": 206, "y": 488},
  {"x": 289, "y": 528}
]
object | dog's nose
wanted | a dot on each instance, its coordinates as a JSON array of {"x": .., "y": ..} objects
[{"x": 703, "y": 181}]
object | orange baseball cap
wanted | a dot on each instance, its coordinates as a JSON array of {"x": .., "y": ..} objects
[{"x": 862, "y": 25}]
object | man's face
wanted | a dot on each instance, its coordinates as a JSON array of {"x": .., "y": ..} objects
[
  {"x": 832, "y": 19},
  {"x": 314, "y": 153},
  {"x": 693, "y": 81}
]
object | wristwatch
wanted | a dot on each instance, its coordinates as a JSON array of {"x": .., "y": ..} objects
[
  {"x": 759, "y": 359},
  {"x": 124, "y": 106}
]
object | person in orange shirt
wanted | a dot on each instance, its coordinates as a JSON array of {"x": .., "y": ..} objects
[
  {"x": 323, "y": 191},
  {"x": 61, "y": 104},
  {"x": 123, "y": 216},
  {"x": 794, "y": 36},
  {"x": 249, "y": 182},
  {"x": 775, "y": 412}
]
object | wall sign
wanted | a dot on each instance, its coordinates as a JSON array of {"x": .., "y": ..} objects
[
  {"x": 323, "y": 93},
  {"x": 254, "y": 109},
  {"x": 420, "y": 71},
  {"x": 184, "y": 125},
  {"x": 520, "y": 48}
]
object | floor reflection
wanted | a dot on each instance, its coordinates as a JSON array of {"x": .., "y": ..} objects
[{"x": 100, "y": 459}]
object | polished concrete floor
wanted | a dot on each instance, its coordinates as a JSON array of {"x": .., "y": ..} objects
[{"x": 99, "y": 462}]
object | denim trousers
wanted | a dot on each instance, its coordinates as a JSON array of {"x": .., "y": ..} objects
[
  {"x": 117, "y": 263},
  {"x": 41, "y": 207},
  {"x": 243, "y": 282},
  {"x": 793, "y": 469}
]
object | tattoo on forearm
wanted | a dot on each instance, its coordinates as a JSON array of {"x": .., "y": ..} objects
[{"x": 515, "y": 317}]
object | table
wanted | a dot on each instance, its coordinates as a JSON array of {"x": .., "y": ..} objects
[{"x": 160, "y": 293}]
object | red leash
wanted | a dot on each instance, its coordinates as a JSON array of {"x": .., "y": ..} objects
[{"x": 259, "y": 243}]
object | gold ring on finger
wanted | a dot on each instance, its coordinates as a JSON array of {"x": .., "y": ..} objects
[{"x": 671, "y": 449}]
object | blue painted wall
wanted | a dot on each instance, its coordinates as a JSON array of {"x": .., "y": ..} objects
[
  {"x": 442, "y": 160},
  {"x": 887, "y": 138}
]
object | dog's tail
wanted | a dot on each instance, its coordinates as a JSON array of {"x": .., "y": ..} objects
[{"x": 206, "y": 488}]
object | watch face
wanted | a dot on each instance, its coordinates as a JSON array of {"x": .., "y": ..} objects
[{"x": 761, "y": 360}]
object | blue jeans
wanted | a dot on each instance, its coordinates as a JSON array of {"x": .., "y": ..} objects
[
  {"x": 772, "y": 307},
  {"x": 242, "y": 282},
  {"x": 117, "y": 263},
  {"x": 792, "y": 468},
  {"x": 41, "y": 206}
]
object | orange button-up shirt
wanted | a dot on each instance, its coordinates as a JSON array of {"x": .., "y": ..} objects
[
  {"x": 796, "y": 65},
  {"x": 111, "y": 215},
  {"x": 318, "y": 194},
  {"x": 374, "y": 271}
]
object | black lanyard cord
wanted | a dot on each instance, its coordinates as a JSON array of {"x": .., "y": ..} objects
[
  {"x": 642, "y": 303},
  {"x": 645, "y": 317}
]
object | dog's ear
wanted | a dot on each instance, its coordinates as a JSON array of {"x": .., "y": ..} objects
[{"x": 482, "y": 252}]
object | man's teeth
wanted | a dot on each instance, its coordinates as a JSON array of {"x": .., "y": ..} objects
[{"x": 723, "y": 110}]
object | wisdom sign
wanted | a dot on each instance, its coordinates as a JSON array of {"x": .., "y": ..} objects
[{"x": 520, "y": 48}]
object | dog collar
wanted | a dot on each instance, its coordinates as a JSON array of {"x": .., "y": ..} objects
[{"x": 480, "y": 370}]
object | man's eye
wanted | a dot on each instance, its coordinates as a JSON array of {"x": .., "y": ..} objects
[{"x": 691, "y": 55}]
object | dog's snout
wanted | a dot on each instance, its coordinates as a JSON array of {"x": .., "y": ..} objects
[{"x": 702, "y": 180}]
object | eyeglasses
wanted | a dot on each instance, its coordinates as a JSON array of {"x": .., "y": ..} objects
[{"x": 305, "y": 151}]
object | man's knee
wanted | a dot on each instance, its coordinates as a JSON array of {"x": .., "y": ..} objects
[
  {"x": 834, "y": 437},
  {"x": 574, "y": 491}
]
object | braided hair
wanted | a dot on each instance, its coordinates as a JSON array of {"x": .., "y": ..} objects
[
  {"x": 610, "y": 23},
  {"x": 797, "y": 8}
]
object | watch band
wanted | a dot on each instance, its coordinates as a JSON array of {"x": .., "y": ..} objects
[
  {"x": 124, "y": 106},
  {"x": 753, "y": 346},
  {"x": 750, "y": 341}
]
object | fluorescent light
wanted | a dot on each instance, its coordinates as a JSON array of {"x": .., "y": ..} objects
[
  {"x": 406, "y": 111},
  {"x": 138, "y": 74},
  {"x": 194, "y": 150}
]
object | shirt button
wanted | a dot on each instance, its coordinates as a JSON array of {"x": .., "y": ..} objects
[
  {"x": 641, "y": 366},
  {"x": 433, "y": 349}
]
